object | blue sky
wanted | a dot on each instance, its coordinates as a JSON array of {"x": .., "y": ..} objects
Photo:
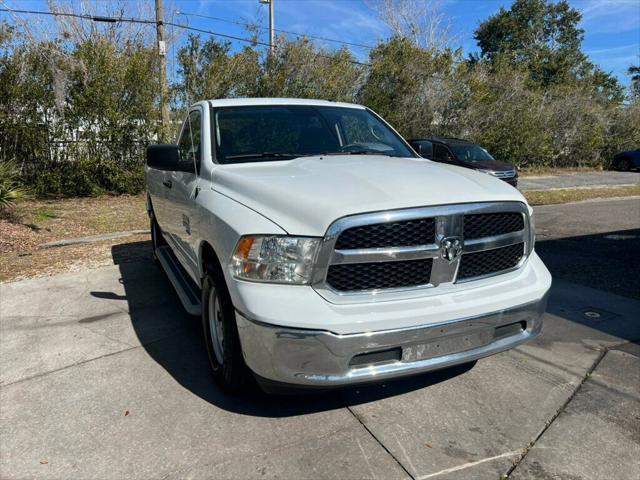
[{"x": 612, "y": 27}]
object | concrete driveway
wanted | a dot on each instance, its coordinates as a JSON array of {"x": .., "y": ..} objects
[
  {"x": 583, "y": 179},
  {"x": 103, "y": 375}
]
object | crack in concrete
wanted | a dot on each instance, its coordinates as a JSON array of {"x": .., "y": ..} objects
[
  {"x": 82, "y": 362},
  {"x": 519, "y": 460},
  {"x": 382, "y": 445}
]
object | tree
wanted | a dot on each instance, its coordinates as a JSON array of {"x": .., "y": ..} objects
[
  {"x": 301, "y": 69},
  {"x": 544, "y": 37},
  {"x": 409, "y": 86},
  {"x": 209, "y": 70},
  {"x": 634, "y": 72},
  {"x": 421, "y": 22}
]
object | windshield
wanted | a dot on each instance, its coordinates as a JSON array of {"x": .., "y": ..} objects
[
  {"x": 284, "y": 132},
  {"x": 471, "y": 153}
]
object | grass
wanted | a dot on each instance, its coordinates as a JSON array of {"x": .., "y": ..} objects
[
  {"x": 42, "y": 214},
  {"x": 546, "y": 171},
  {"x": 565, "y": 195}
]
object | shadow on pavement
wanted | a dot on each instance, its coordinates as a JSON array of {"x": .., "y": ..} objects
[
  {"x": 173, "y": 338},
  {"x": 607, "y": 261},
  {"x": 180, "y": 350}
]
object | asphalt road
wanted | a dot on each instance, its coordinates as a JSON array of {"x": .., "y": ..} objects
[
  {"x": 584, "y": 179},
  {"x": 595, "y": 243},
  {"x": 103, "y": 375}
]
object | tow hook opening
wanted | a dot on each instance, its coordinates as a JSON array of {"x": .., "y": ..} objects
[
  {"x": 510, "y": 329},
  {"x": 374, "y": 358}
]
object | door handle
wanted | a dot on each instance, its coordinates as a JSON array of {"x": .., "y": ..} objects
[{"x": 167, "y": 183}]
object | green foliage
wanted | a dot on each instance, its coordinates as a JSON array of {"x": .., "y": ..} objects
[
  {"x": 542, "y": 37},
  {"x": 210, "y": 70},
  {"x": 409, "y": 86},
  {"x": 76, "y": 115},
  {"x": 11, "y": 188},
  {"x": 634, "y": 72},
  {"x": 77, "y": 120},
  {"x": 298, "y": 69}
]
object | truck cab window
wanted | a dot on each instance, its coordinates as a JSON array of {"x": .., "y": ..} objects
[{"x": 191, "y": 139}]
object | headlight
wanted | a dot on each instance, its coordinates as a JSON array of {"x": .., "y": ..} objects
[
  {"x": 489, "y": 172},
  {"x": 277, "y": 259}
]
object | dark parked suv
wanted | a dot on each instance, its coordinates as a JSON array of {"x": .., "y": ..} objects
[{"x": 464, "y": 154}]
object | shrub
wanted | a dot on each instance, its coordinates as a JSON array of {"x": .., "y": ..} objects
[{"x": 11, "y": 188}]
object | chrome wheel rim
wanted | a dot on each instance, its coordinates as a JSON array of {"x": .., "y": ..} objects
[{"x": 215, "y": 325}]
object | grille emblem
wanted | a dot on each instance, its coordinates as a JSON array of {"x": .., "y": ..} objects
[{"x": 451, "y": 248}]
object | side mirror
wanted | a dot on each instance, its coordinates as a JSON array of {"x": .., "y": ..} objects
[
  {"x": 163, "y": 156},
  {"x": 168, "y": 156}
]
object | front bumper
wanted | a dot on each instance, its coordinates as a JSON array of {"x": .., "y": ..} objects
[
  {"x": 321, "y": 358},
  {"x": 513, "y": 181}
]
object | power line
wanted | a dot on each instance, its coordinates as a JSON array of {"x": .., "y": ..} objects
[
  {"x": 288, "y": 32},
  {"x": 252, "y": 41},
  {"x": 97, "y": 18}
]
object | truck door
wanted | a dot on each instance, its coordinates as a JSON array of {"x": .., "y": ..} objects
[{"x": 184, "y": 192}]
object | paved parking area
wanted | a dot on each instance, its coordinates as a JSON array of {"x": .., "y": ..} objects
[
  {"x": 583, "y": 179},
  {"x": 103, "y": 375}
]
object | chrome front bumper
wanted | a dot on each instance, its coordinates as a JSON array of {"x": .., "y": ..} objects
[{"x": 321, "y": 358}]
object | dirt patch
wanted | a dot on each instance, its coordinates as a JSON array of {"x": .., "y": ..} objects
[
  {"x": 42, "y": 221},
  {"x": 16, "y": 266},
  {"x": 46, "y": 220}
]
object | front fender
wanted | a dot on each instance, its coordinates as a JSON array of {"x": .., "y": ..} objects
[{"x": 222, "y": 222}]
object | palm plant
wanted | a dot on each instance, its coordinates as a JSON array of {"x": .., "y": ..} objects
[{"x": 11, "y": 188}]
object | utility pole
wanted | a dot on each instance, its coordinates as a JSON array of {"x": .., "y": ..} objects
[
  {"x": 162, "y": 54},
  {"x": 272, "y": 32}
]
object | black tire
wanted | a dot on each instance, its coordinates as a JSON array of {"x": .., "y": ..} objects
[
  {"x": 624, "y": 165},
  {"x": 157, "y": 240},
  {"x": 227, "y": 364}
]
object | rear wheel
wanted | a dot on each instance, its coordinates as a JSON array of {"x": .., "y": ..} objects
[
  {"x": 624, "y": 165},
  {"x": 221, "y": 333}
]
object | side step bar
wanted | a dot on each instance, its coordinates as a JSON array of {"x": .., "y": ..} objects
[{"x": 184, "y": 286}]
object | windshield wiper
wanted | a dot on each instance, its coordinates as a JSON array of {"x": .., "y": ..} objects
[
  {"x": 265, "y": 155},
  {"x": 361, "y": 152}
]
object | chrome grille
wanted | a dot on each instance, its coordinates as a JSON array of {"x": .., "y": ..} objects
[
  {"x": 393, "y": 253},
  {"x": 506, "y": 174},
  {"x": 421, "y": 231}
]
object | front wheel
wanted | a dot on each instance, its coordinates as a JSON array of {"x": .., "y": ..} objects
[{"x": 221, "y": 334}]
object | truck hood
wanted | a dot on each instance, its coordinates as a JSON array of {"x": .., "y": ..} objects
[{"x": 304, "y": 196}]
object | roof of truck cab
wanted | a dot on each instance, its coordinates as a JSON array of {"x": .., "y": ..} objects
[{"x": 246, "y": 102}]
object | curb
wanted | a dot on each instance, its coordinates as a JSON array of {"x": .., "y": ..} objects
[{"x": 92, "y": 238}]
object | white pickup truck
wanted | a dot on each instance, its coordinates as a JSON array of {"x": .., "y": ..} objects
[{"x": 321, "y": 250}]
